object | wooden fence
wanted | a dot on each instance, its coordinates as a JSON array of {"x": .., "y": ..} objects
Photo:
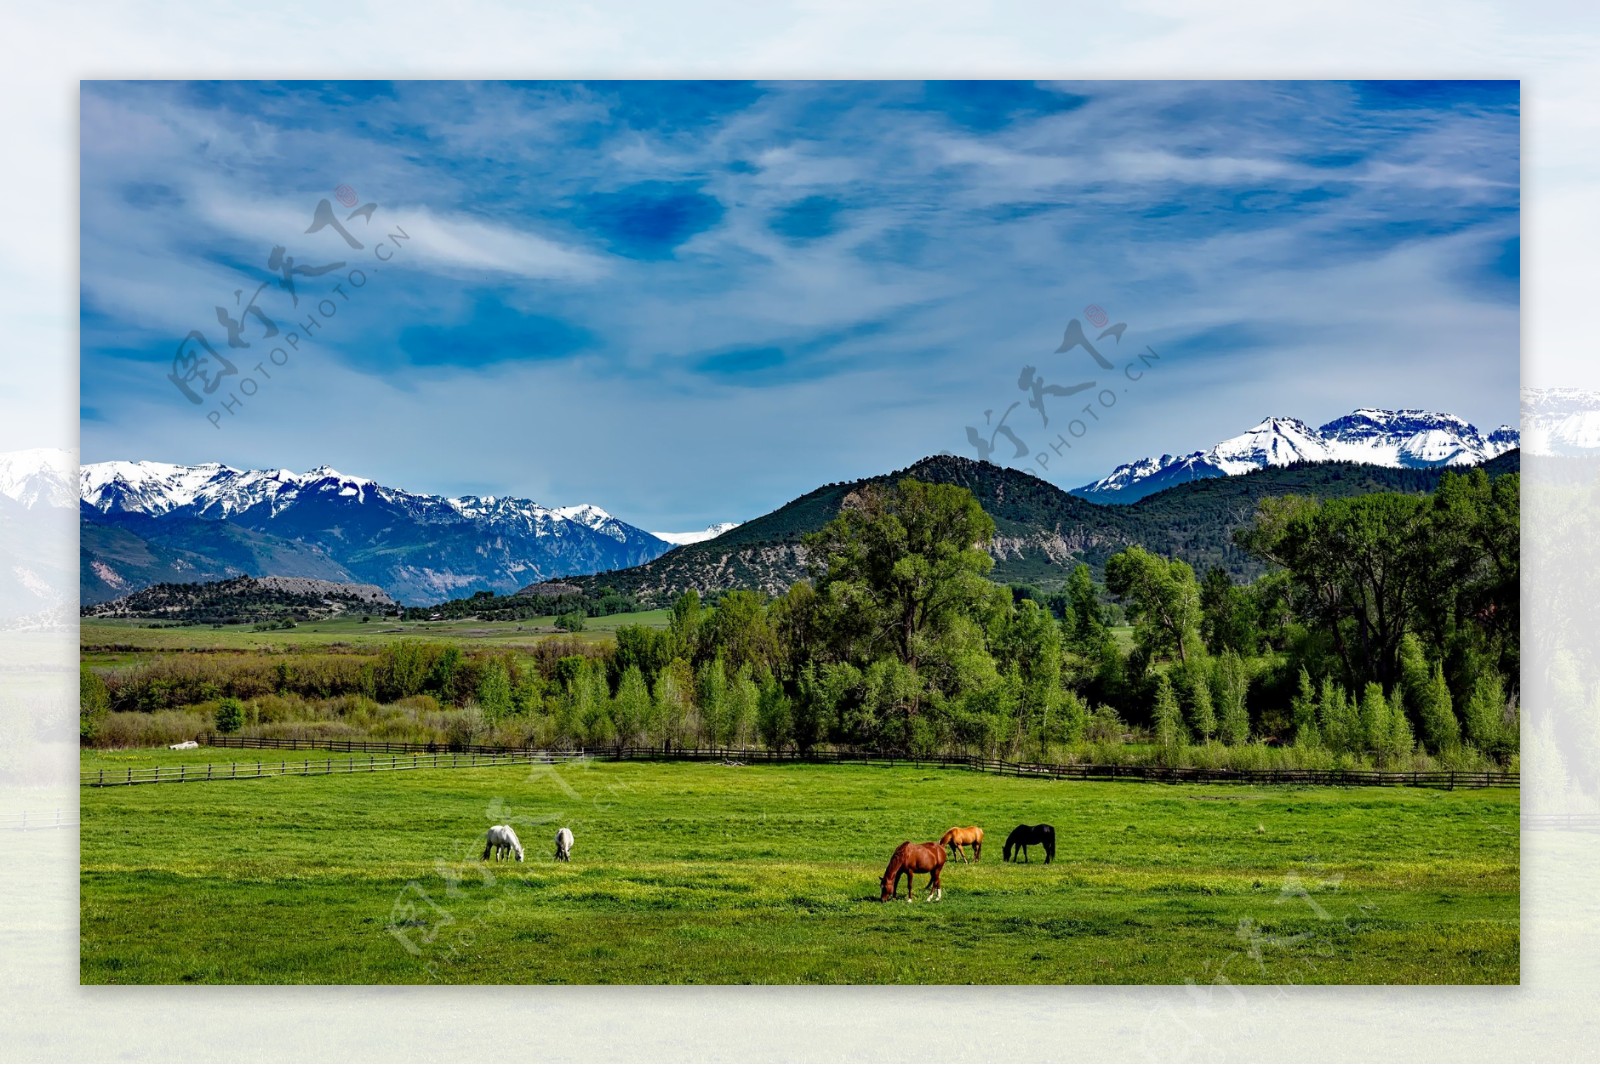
[
  {"x": 436, "y": 756},
  {"x": 212, "y": 771}
]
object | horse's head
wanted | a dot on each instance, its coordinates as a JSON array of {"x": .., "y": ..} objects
[{"x": 888, "y": 892}]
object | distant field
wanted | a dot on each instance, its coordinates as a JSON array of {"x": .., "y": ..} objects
[
  {"x": 688, "y": 873},
  {"x": 100, "y": 633}
]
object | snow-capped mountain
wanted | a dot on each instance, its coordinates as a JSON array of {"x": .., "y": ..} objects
[
  {"x": 710, "y": 532},
  {"x": 209, "y": 521},
  {"x": 39, "y": 475},
  {"x": 36, "y": 501},
  {"x": 1400, "y": 439},
  {"x": 1561, "y": 421}
]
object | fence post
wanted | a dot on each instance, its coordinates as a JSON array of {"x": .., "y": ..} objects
[{"x": 102, "y": 777}]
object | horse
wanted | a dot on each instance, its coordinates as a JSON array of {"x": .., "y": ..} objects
[
  {"x": 564, "y": 845},
  {"x": 1024, "y": 836},
  {"x": 956, "y": 837},
  {"x": 502, "y": 842},
  {"x": 910, "y": 858}
]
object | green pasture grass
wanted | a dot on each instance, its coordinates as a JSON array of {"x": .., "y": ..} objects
[
  {"x": 133, "y": 639},
  {"x": 686, "y": 873}
]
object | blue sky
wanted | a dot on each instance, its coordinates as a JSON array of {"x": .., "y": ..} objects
[{"x": 689, "y": 302}]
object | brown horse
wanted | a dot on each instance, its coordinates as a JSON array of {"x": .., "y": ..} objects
[
  {"x": 912, "y": 858},
  {"x": 956, "y": 837}
]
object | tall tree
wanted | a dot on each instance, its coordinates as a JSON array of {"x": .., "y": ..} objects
[
  {"x": 1163, "y": 600},
  {"x": 910, "y": 558}
]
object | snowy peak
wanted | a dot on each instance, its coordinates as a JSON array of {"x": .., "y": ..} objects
[
  {"x": 212, "y": 490},
  {"x": 39, "y": 476},
  {"x": 1395, "y": 438},
  {"x": 710, "y": 532}
]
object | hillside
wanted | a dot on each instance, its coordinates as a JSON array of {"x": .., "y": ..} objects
[
  {"x": 246, "y": 599},
  {"x": 1041, "y": 531}
]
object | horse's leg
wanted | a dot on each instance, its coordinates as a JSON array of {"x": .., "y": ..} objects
[{"x": 977, "y": 851}]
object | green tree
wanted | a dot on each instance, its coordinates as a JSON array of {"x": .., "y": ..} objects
[
  {"x": 1230, "y": 683},
  {"x": 1303, "y": 711},
  {"x": 1441, "y": 732},
  {"x": 1193, "y": 684},
  {"x": 1402, "y": 740},
  {"x": 631, "y": 709},
  {"x": 711, "y": 684},
  {"x": 1376, "y": 724},
  {"x": 1361, "y": 567},
  {"x": 571, "y": 621},
  {"x": 230, "y": 715},
  {"x": 901, "y": 565},
  {"x": 1167, "y": 717},
  {"x": 1163, "y": 601},
  {"x": 1338, "y": 720},
  {"x": 674, "y": 698},
  {"x": 1227, "y": 621},
  {"x": 774, "y": 715},
  {"x": 743, "y": 702},
  {"x": 741, "y": 633},
  {"x": 1485, "y": 715},
  {"x": 1085, "y": 625},
  {"x": 494, "y": 690},
  {"x": 94, "y": 703}
]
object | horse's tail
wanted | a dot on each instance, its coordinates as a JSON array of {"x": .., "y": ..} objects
[
  {"x": 488, "y": 845},
  {"x": 1050, "y": 842}
]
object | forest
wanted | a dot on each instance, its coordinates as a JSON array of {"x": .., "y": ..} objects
[{"x": 1383, "y": 632}]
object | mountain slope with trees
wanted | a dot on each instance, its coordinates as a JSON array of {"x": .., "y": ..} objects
[{"x": 1041, "y": 531}]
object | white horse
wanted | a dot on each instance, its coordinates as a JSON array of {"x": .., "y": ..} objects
[
  {"x": 502, "y": 842},
  {"x": 564, "y": 845}
]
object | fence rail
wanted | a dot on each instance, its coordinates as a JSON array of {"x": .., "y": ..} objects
[
  {"x": 1574, "y": 822},
  {"x": 214, "y": 771},
  {"x": 33, "y": 822},
  {"x": 445, "y": 756}
]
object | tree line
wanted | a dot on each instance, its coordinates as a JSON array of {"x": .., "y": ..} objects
[{"x": 1384, "y": 630}]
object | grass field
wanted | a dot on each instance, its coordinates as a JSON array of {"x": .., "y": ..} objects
[
  {"x": 720, "y": 874},
  {"x": 112, "y": 641}
]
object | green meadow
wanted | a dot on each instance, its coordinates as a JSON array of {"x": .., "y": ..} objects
[{"x": 687, "y": 873}]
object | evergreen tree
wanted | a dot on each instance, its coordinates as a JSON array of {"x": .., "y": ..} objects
[
  {"x": 1376, "y": 724},
  {"x": 1304, "y": 710},
  {"x": 1485, "y": 716},
  {"x": 1402, "y": 741},
  {"x": 1167, "y": 717},
  {"x": 1441, "y": 732},
  {"x": 1337, "y": 719}
]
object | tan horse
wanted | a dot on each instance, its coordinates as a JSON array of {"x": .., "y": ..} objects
[
  {"x": 912, "y": 858},
  {"x": 957, "y": 837}
]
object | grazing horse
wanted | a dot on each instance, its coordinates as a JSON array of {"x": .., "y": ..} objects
[
  {"x": 1024, "y": 836},
  {"x": 502, "y": 842},
  {"x": 564, "y": 845},
  {"x": 912, "y": 858},
  {"x": 957, "y": 837}
]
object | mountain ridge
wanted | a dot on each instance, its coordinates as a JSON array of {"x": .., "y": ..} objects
[
  {"x": 145, "y": 523},
  {"x": 1398, "y": 439}
]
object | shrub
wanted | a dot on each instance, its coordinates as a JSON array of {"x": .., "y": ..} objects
[{"x": 230, "y": 715}]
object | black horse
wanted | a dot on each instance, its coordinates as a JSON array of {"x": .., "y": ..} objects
[{"x": 1024, "y": 836}]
